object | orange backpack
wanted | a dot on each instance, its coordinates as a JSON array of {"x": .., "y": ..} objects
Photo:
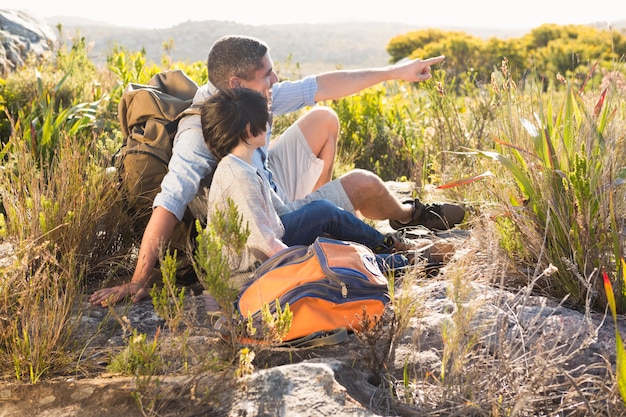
[{"x": 327, "y": 285}]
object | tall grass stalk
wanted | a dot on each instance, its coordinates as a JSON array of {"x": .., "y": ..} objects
[
  {"x": 38, "y": 295},
  {"x": 619, "y": 343}
]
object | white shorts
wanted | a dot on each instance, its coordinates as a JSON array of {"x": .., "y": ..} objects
[{"x": 296, "y": 169}]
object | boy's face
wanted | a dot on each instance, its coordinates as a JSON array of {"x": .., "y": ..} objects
[{"x": 263, "y": 79}]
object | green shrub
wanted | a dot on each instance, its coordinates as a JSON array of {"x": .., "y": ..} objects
[{"x": 565, "y": 160}]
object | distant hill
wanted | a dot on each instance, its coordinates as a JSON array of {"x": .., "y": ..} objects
[{"x": 315, "y": 47}]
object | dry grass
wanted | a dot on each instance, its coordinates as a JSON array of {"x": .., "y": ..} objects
[{"x": 63, "y": 226}]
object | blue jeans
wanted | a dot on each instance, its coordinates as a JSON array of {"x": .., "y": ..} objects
[{"x": 323, "y": 218}]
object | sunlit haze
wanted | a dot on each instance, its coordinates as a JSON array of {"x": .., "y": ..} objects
[{"x": 495, "y": 14}]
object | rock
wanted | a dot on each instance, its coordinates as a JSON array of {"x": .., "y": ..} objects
[
  {"x": 305, "y": 389},
  {"x": 21, "y": 35}
]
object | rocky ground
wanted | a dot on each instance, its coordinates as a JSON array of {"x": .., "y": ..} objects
[{"x": 330, "y": 380}]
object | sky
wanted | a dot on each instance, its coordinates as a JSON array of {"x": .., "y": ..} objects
[{"x": 497, "y": 14}]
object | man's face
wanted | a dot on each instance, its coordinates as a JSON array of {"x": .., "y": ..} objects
[{"x": 263, "y": 79}]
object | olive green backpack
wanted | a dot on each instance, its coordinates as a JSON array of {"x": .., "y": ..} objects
[{"x": 149, "y": 115}]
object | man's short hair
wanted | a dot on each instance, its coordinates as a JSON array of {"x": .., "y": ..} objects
[{"x": 235, "y": 55}]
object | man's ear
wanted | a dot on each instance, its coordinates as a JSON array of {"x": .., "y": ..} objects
[{"x": 234, "y": 82}]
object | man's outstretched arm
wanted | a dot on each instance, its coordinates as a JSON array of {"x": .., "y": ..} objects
[{"x": 337, "y": 84}]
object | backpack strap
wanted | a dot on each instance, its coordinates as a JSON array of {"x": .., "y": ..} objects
[
  {"x": 317, "y": 339},
  {"x": 333, "y": 337}
]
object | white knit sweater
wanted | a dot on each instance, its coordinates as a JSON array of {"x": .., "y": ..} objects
[{"x": 258, "y": 205}]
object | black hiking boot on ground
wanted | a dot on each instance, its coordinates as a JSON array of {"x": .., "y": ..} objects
[
  {"x": 394, "y": 242},
  {"x": 434, "y": 253},
  {"x": 438, "y": 216}
]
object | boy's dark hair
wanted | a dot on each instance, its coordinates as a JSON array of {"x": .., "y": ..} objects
[
  {"x": 226, "y": 116},
  {"x": 235, "y": 55}
]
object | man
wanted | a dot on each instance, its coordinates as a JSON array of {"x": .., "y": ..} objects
[{"x": 299, "y": 164}]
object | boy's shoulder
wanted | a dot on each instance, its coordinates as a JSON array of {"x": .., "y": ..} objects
[{"x": 236, "y": 165}]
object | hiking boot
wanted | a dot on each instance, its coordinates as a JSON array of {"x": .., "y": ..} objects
[
  {"x": 437, "y": 216},
  {"x": 394, "y": 242}
]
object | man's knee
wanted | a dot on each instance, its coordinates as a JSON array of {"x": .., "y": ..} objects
[
  {"x": 363, "y": 187},
  {"x": 320, "y": 121},
  {"x": 360, "y": 180},
  {"x": 324, "y": 114}
]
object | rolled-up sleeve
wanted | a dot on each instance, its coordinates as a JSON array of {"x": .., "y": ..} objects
[
  {"x": 289, "y": 96},
  {"x": 191, "y": 162}
]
